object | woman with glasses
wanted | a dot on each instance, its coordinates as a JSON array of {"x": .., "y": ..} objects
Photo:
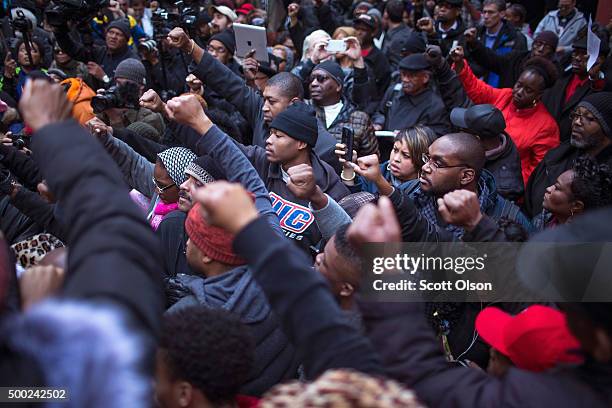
[
  {"x": 532, "y": 129},
  {"x": 155, "y": 186},
  {"x": 404, "y": 164},
  {"x": 587, "y": 186}
]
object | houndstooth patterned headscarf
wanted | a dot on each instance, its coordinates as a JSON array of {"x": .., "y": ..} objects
[{"x": 176, "y": 160}]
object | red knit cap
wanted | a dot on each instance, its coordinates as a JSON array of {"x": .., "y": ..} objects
[{"x": 214, "y": 242}]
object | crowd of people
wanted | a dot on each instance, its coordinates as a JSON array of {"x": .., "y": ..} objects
[{"x": 184, "y": 226}]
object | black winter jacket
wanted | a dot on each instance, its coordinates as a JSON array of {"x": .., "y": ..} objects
[
  {"x": 412, "y": 356},
  {"x": 555, "y": 162},
  {"x": 114, "y": 256},
  {"x": 554, "y": 100},
  {"x": 300, "y": 298}
]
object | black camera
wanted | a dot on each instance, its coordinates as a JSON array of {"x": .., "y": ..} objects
[
  {"x": 59, "y": 12},
  {"x": 21, "y": 23},
  {"x": 20, "y": 140},
  {"x": 185, "y": 18},
  {"x": 148, "y": 45},
  {"x": 126, "y": 95}
]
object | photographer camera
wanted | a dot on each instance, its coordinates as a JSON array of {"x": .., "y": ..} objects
[
  {"x": 119, "y": 105},
  {"x": 166, "y": 66},
  {"x": 102, "y": 61}
]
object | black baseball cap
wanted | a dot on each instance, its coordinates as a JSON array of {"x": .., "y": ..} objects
[
  {"x": 454, "y": 3},
  {"x": 481, "y": 120},
  {"x": 366, "y": 20}
]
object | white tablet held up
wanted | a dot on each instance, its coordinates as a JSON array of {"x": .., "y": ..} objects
[{"x": 250, "y": 37}]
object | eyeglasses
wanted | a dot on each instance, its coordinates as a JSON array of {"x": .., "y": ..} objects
[
  {"x": 217, "y": 50},
  {"x": 584, "y": 118},
  {"x": 161, "y": 189},
  {"x": 427, "y": 160},
  {"x": 320, "y": 78}
]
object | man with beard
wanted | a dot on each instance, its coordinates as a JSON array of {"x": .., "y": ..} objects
[
  {"x": 171, "y": 231},
  {"x": 222, "y": 18},
  {"x": 591, "y": 135},
  {"x": 576, "y": 83},
  {"x": 455, "y": 162},
  {"x": 101, "y": 61},
  {"x": 418, "y": 103},
  {"x": 509, "y": 66}
]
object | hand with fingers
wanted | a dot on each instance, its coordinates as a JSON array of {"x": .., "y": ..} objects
[
  {"x": 457, "y": 55},
  {"x": 226, "y": 205},
  {"x": 152, "y": 101},
  {"x": 10, "y": 66},
  {"x": 461, "y": 208},
  {"x": 187, "y": 110},
  {"x": 95, "y": 70},
  {"x": 303, "y": 185},
  {"x": 250, "y": 66},
  {"x": 353, "y": 52},
  {"x": 319, "y": 52},
  {"x": 340, "y": 151}
]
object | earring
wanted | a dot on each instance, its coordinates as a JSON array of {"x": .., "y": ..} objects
[{"x": 535, "y": 102}]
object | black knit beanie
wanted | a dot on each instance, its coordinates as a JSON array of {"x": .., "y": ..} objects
[
  {"x": 600, "y": 106},
  {"x": 226, "y": 37},
  {"x": 122, "y": 25},
  {"x": 333, "y": 69},
  {"x": 299, "y": 122}
]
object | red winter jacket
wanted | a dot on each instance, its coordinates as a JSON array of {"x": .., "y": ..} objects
[{"x": 533, "y": 130}]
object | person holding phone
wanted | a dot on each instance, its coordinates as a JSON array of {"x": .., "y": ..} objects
[{"x": 403, "y": 167}]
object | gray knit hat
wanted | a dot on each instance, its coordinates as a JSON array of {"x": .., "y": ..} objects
[
  {"x": 133, "y": 70},
  {"x": 600, "y": 106},
  {"x": 145, "y": 130}
]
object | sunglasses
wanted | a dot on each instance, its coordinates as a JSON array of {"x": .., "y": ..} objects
[
  {"x": 320, "y": 78},
  {"x": 161, "y": 188}
]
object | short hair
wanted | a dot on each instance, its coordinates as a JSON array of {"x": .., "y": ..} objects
[
  {"x": 543, "y": 67},
  {"x": 395, "y": 10},
  {"x": 499, "y": 4},
  {"x": 347, "y": 31},
  {"x": 39, "y": 42},
  {"x": 519, "y": 10},
  {"x": 469, "y": 150},
  {"x": 348, "y": 251},
  {"x": 208, "y": 348},
  {"x": 418, "y": 138},
  {"x": 592, "y": 183},
  {"x": 289, "y": 84}
]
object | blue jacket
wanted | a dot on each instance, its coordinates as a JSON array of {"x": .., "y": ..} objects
[
  {"x": 363, "y": 184},
  {"x": 491, "y": 204},
  {"x": 508, "y": 39}
]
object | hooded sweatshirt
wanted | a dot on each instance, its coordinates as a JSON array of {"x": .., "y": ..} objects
[{"x": 237, "y": 292}]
